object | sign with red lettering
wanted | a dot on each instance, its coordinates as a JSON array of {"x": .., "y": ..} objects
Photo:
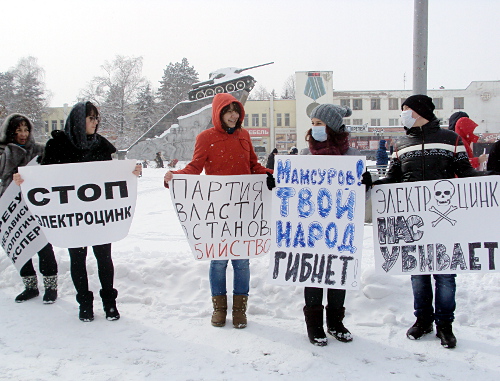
[
  {"x": 437, "y": 227},
  {"x": 81, "y": 204},
  {"x": 223, "y": 217}
]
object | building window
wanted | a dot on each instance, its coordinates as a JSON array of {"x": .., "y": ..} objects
[
  {"x": 255, "y": 120},
  {"x": 54, "y": 125},
  {"x": 375, "y": 122},
  {"x": 393, "y": 104},
  {"x": 357, "y": 104},
  {"x": 264, "y": 120},
  {"x": 347, "y": 121},
  {"x": 61, "y": 124},
  {"x": 287, "y": 120},
  {"x": 394, "y": 122},
  {"x": 438, "y": 102},
  {"x": 458, "y": 103},
  {"x": 345, "y": 103},
  {"x": 375, "y": 103},
  {"x": 357, "y": 122},
  {"x": 46, "y": 125},
  {"x": 278, "y": 120},
  {"x": 245, "y": 121}
]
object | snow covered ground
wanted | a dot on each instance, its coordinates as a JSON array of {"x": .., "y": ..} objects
[{"x": 165, "y": 331}]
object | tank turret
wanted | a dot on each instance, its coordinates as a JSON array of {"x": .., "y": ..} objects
[{"x": 224, "y": 80}]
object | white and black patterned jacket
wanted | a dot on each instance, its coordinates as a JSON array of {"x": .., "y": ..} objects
[{"x": 429, "y": 153}]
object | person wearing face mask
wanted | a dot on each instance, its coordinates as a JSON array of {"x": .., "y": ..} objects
[
  {"x": 429, "y": 152},
  {"x": 17, "y": 149},
  {"x": 80, "y": 143},
  {"x": 226, "y": 149},
  {"x": 328, "y": 136}
]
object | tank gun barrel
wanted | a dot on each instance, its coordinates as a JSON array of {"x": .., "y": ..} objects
[{"x": 252, "y": 67}]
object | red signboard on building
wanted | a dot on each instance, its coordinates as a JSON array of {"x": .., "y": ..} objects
[{"x": 258, "y": 131}]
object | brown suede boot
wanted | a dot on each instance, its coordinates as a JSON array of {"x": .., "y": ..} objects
[
  {"x": 239, "y": 311},
  {"x": 220, "y": 310}
]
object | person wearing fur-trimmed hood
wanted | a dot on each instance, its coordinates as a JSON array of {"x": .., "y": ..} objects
[{"x": 17, "y": 149}]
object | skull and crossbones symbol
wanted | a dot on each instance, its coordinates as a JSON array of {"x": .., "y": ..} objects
[{"x": 443, "y": 192}]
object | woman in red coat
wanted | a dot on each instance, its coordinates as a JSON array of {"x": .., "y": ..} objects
[{"x": 225, "y": 149}]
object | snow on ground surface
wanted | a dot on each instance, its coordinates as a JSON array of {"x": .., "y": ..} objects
[{"x": 165, "y": 333}]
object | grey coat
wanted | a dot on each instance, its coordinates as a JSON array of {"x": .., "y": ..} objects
[{"x": 13, "y": 156}]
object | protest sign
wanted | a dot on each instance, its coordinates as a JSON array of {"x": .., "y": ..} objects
[
  {"x": 223, "y": 217},
  {"x": 436, "y": 227},
  {"x": 317, "y": 218},
  {"x": 21, "y": 236},
  {"x": 82, "y": 204}
]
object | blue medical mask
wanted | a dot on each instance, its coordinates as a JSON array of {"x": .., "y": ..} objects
[{"x": 319, "y": 133}]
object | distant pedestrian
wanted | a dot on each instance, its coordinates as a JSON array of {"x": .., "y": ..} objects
[
  {"x": 159, "y": 160},
  {"x": 382, "y": 158},
  {"x": 270, "y": 158},
  {"x": 293, "y": 151}
]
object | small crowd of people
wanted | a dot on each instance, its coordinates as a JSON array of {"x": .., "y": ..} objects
[{"x": 226, "y": 149}]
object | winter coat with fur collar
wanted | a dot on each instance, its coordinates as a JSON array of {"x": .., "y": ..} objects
[{"x": 13, "y": 155}]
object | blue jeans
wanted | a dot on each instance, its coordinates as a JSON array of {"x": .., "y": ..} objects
[
  {"x": 445, "y": 297},
  {"x": 241, "y": 282}
]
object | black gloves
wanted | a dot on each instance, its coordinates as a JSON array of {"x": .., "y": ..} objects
[
  {"x": 271, "y": 183},
  {"x": 366, "y": 178}
]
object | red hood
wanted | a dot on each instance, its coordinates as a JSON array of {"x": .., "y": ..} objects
[
  {"x": 220, "y": 101},
  {"x": 465, "y": 128}
]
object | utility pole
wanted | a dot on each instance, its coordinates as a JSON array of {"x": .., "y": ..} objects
[{"x": 420, "y": 37}]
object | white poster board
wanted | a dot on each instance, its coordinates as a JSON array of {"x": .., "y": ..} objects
[
  {"x": 223, "y": 217},
  {"x": 82, "y": 204},
  {"x": 21, "y": 236},
  {"x": 317, "y": 218},
  {"x": 437, "y": 227}
]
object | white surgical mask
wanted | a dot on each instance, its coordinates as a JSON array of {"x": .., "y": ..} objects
[
  {"x": 319, "y": 133},
  {"x": 407, "y": 119}
]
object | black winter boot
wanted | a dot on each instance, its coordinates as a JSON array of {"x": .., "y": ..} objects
[
  {"x": 86, "y": 301},
  {"x": 30, "y": 289},
  {"x": 314, "y": 322},
  {"x": 109, "y": 304},
  {"x": 445, "y": 332},
  {"x": 50, "y": 284},
  {"x": 421, "y": 327},
  {"x": 335, "y": 326}
]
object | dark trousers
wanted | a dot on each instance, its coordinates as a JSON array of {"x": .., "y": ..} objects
[
  {"x": 106, "y": 270},
  {"x": 46, "y": 260},
  {"x": 314, "y": 297}
]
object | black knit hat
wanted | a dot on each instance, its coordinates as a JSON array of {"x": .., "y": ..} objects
[{"x": 422, "y": 105}]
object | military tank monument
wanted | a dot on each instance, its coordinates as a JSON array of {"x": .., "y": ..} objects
[{"x": 175, "y": 133}]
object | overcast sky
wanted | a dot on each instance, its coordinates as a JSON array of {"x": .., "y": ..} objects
[{"x": 366, "y": 43}]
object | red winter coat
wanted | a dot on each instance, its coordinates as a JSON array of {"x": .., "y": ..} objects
[
  {"x": 220, "y": 153},
  {"x": 465, "y": 128}
]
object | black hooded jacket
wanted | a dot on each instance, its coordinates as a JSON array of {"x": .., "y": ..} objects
[
  {"x": 73, "y": 145},
  {"x": 429, "y": 153}
]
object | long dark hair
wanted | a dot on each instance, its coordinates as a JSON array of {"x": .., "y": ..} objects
[
  {"x": 14, "y": 123},
  {"x": 237, "y": 108}
]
